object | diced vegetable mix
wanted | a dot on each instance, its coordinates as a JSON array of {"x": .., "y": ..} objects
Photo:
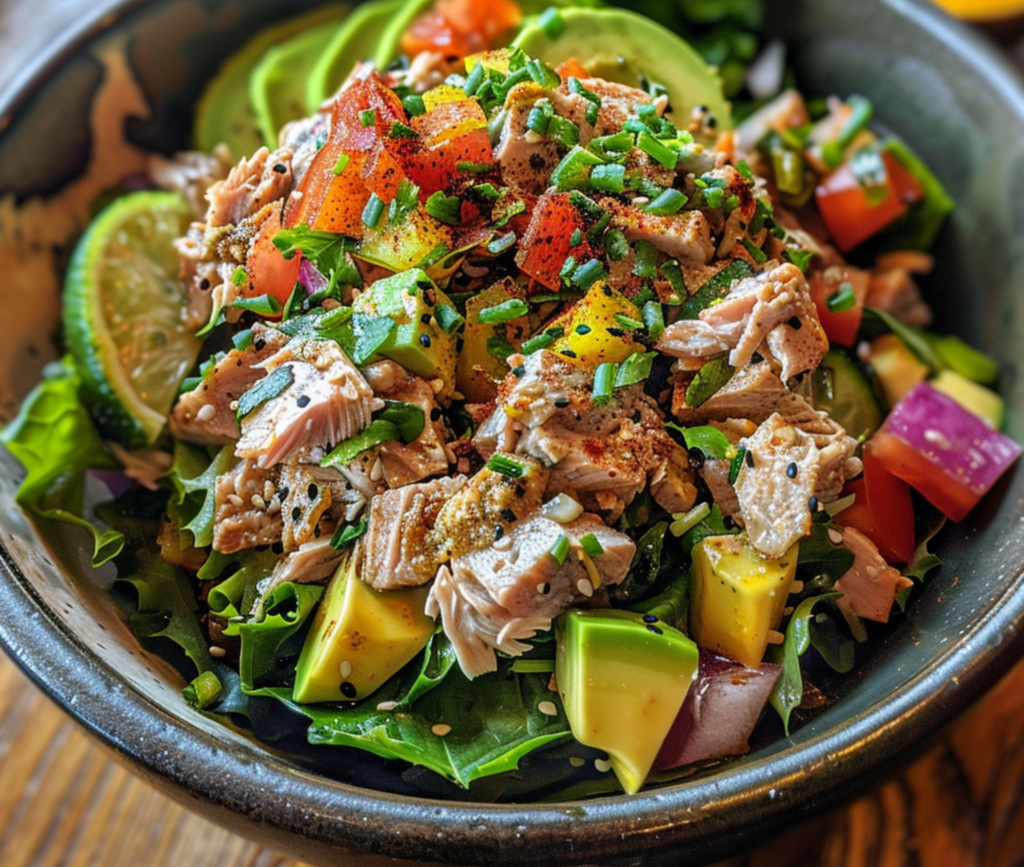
[{"x": 534, "y": 404}]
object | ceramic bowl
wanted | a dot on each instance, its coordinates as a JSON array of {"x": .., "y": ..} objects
[{"x": 125, "y": 81}]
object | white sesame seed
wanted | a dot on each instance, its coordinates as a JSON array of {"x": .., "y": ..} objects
[
  {"x": 872, "y": 571},
  {"x": 834, "y": 536},
  {"x": 274, "y": 507},
  {"x": 603, "y": 765},
  {"x": 206, "y": 412},
  {"x": 233, "y": 406},
  {"x": 548, "y": 708},
  {"x": 385, "y": 706},
  {"x": 258, "y": 502},
  {"x": 345, "y": 668},
  {"x": 585, "y": 587},
  {"x": 236, "y": 500},
  {"x": 543, "y": 587},
  {"x": 577, "y": 762},
  {"x": 503, "y": 544},
  {"x": 377, "y": 470},
  {"x": 440, "y": 729},
  {"x": 218, "y": 652},
  {"x": 269, "y": 489}
]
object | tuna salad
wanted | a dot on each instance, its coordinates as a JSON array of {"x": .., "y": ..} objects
[{"x": 495, "y": 395}]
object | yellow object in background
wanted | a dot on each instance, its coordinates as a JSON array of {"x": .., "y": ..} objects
[{"x": 983, "y": 10}]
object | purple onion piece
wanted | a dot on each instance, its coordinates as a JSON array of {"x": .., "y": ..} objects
[{"x": 311, "y": 278}]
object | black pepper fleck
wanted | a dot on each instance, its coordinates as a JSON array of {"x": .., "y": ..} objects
[
  {"x": 728, "y": 523},
  {"x": 796, "y": 323},
  {"x": 435, "y": 414},
  {"x": 280, "y": 168}
]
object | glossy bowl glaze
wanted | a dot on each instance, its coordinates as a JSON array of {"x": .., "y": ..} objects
[{"x": 126, "y": 82}]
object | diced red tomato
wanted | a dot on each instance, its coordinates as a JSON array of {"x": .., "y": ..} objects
[
  {"x": 450, "y": 133},
  {"x": 269, "y": 272},
  {"x": 840, "y": 327},
  {"x": 547, "y": 242},
  {"x": 458, "y": 28},
  {"x": 848, "y": 212},
  {"x": 572, "y": 68},
  {"x": 883, "y": 510}
]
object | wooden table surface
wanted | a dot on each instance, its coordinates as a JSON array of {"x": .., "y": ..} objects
[{"x": 64, "y": 801}]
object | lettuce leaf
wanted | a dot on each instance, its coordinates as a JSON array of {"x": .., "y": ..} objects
[
  {"x": 267, "y": 652},
  {"x": 194, "y": 477},
  {"x": 53, "y": 438}
]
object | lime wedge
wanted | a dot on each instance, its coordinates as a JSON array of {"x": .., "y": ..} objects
[
  {"x": 224, "y": 115},
  {"x": 122, "y": 315}
]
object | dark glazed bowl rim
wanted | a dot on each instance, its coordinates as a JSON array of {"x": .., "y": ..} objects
[{"x": 264, "y": 797}]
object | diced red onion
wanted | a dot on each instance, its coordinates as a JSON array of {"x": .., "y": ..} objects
[
  {"x": 311, "y": 278},
  {"x": 114, "y": 480},
  {"x": 721, "y": 709}
]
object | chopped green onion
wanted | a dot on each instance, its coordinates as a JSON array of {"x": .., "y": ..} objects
[
  {"x": 542, "y": 340},
  {"x": 500, "y": 245},
  {"x": 551, "y": 22},
  {"x": 576, "y": 238},
  {"x": 800, "y": 258},
  {"x": 447, "y": 209},
  {"x": 341, "y": 164},
  {"x": 368, "y": 117},
  {"x": 511, "y": 309},
  {"x": 533, "y": 666},
  {"x": 485, "y": 191},
  {"x": 686, "y": 521},
  {"x": 744, "y": 170},
  {"x": 604, "y": 382},
  {"x": 542, "y": 74},
  {"x": 608, "y": 178},
  {"x": 435, "y": 255},
  {"x": 591, "y": 546},
  {"x": 654, "y": 319},
  {"x": 859, "y": 117},
  {"x": 788, "y": 168},
  {"x": 505, "y": 466},
  {"x": 448, "y": 318},
  {"x": 270, "y": 386},
  {"x": 203, "y": 690},
  {"x": 348, "y": 533},
  {"x": 588, "y": 274},
  {"x": 539, "y": 118},
  {"x": 563, "y": 131},
  {"x": 657, "y": 151},
  {"x": 405, "y": 201},
  {"x": 560, "y": 550},
  {"x": 568, "y": 268},
  {"x": 585, "y": 204},
  {"x": 613, "y": 147},
  {"x": 239, "y": 277},
  {"x": 498, "y": 346},
  {"x": 414, "y": 105},
  {"x": 672, "y": 272},
  {"x": 474, "y": 168},
  {"x": 572, "y": 173},
  {"x": 756, "y": 253},
  {"x": 646, "y": 257},
  {"x": 669, "y": 202},
  {"x": 842, "y": 299},
  {"x": 616, "y": 245},
  {"x": 628, "y": 322},
  {"x": 474, "y": 79},
  {"x": 594, "y": 232},
  {"x": 401, "y": 130},
  {"x": 264, "y": 305},
  {"x": 373, "y": 211},
  {"x": 242, "y": 340}
]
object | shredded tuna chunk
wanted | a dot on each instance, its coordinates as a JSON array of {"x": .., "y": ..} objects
[
  {"x": 404, "y": 464},
  {"x": 252, "y": 184},
  {"x": 685, "y": 236},
  {"x": 327, "y": 402},
  {"x": 870, "y": 586},
  {"x": 242, "y": 516},
  {"x": 618, "y": 104},
  {"x": 525, "y": 158},
  {"x": 312, "y": 563}
]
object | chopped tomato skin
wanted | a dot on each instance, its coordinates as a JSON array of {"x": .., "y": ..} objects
[
  {"x": 269, "y": 272},
  {"x": 547, "y": 242},
  {"x": 883, "y": 510},
  {"x": 840, "y": 327},
  {"x": 572, "y": 68},
  {"x": 849, "y": 214},
  {"x": 458, "y": 28},
  {"x": 449, "y": 134}
]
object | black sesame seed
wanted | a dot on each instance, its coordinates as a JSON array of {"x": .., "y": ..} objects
[
  {"x": 749, "y": 458},
  {"x": 654, "y": 629},
  {"x": 205, "y": 285},
  {"x": 518, "y": 371},
  {"x": 280, "y": 168},
  {"x": 499, "y": 531},
  {"x": 435, "y": 414},
  {"x": 312, "y": 491},
  {"x": 796, "y": 323},
  {"x": 812, "y": 504},
  {"x": 258, "y": 344},
  {"x": 637, "y": 417},
  {"x": 791, "y": 471},
  {"x": 348, "y": 689},
  {"x": 425, "y": 340},
  {"x": 561, "y": 402},
  {"x": 728, "y": 522},
  {"x": 544, "y": 588},
  {"x": 650, "y": 618},
  {"x": 520, "y": 491},
  {"x": 616, "y": 332},
  {"x": 277, "y": 548},
  {"x": 425, "y": 319},
  {"x": 303, "y": 400},
  {"x": 296, "y": 513},
  {"x": 568, "y": 353},
  {"x": 508, "y": 515}
]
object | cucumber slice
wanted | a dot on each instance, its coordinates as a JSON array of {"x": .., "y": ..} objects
[
  {"x": 277, "y": 88},
  {"x": 843, "y": 390},
  {"x": 122, "y": 315},
  {"x": 224, "y": 114},
  {"x": 354, "y": 41},
  {"x": 623, "y": 46}
]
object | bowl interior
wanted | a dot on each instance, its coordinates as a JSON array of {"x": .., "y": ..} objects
[{"x": 116, "y": 91}]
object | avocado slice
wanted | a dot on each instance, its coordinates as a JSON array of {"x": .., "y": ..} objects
[
  {"x": 478, "y": 370},
  {"x": 387, "y": 47},
  {"x": 738, "y": 596},
  {"x": 622, "y": 46},
  {"x": 417, "y": 342},
  {"x": 622, "y": 677},
  {"x": 359, "y": 638},
  {"x": 983, "y": 402},
  {"x": 224, "y": 113},
  {"x": 277, "y": 88},
  {"x": 354, "y": 41}
]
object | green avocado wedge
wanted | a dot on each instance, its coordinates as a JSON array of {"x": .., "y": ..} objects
[
  {"x": 277, "y": 88},
  {"x": 224, "y": 114},
  {"x": 355, "y": 40},
  {"x": 623, "y": 46},
  {"x": 387, "y": 48}
]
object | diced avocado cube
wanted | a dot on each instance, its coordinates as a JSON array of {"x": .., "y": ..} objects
[
  {"x": 738, "y": 596},
  {"x": 897, "y": 368},
  {"x": 622, "y": 681},
  {"x": 983, "y": 402},
  {"x": 417, "y": 342},
  {"x": 359, "y": 638}
]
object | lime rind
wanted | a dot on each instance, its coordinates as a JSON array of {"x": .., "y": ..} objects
[{"x": 122, "y": 315}]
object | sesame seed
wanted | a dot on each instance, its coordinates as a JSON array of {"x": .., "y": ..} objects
[
  {"x": 440, "y": 729},
  {"x": 236, "y": 500},
  {"x": 548, "y": 708},
  {"x": 425, "y": 341},
  {"x": 650, "y": 618},
  {"x": 577, "y": 762},
  {"x": 385, "y": 706},
  {"x": 312, "y": 491},
  {"x": 654, "y": 629},
  {"x": 233, "y": 406},
  {"x": 435, "y": 414},
  {"x": 348, "y": 689},
  {"x": 834, "y": 536},
  {"x": 345, "y": 668},
  {"x": 269, "y": 489},
  {"x": 603, "y": 766},
  {"x": 812, "y": 504},
  {"x": 274, "y": 507},
  {"x": 206, "y": 412},
  {"x": 499, "y": 531},
  {"x": 585, "y": 587},
  {"x": 258, "y": 502},
  {"x": 503, "y": 544},
  {"x": 544, "y": 588},
  {"x": 508, "y": 515},
  {"x": 218, "y": 652},
  {"x": 791, "y": 471}
]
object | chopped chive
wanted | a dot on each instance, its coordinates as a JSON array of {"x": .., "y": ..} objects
[
  {"x": 576, "y": 238},
  {"x": 842, "y": 299},
  {"x": 485, "y": 191},
  {"x": 543, "y": 74},
  {"x": 591, "y": 546},
  {"x": 368, "y": 117},
  {"x": 539, "y": 118},
  {"x": 745, "y": 170},
  {"x": 616, "y": 245},
  {"x": 341, "y": 164},
  {"x": 435, "y": 255},
  {"x": 800, "y": 258},
  {"x": 474, "y": 168},
  {"x": 401, "y": 130},
  {"x": 560, "y": 550},
  {"x": 672, "y": 272},
  {"x": 448, "y": 318},
  {"x": 414, "y": 105},
  {"x": 563, "y": 131},
  {"x": 447, "y": 209},
  {"x": 551, "y": 22},
  {"x": 503, "y": 312},
  {"x": 568, "y": 268},
  {"x": 533, "y": 666},
  {"x": 669, "y": 202},
  {"x": 542, "y": 340},
  {"x": 604, "y": 382},
  {"x": 506, "y": 466},
  {"x": 646, "y": 257},
  {"x": 573, "y": 172},
  {"x": 242, "y": 340},
  {"x": 240, "y": 277},
  {"x": 654, "y": 319},
  {"x": 264, "y": 305},
  {"x": 608, "y": 178},
  {"x": 585, "y": 204},
  {"x": 628, "y": 322},
  {"x": 612, "y": 147},
  {"x": 373, "y": 211},
  {"x": 588, "y": 274},
  {"x": 657, "y": 150},
  {"x": 500, "y": 245},
  {"x": 595, "y": 232},
  {"x": 756, "y": 253}
]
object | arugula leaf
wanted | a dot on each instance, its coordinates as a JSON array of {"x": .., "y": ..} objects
[
  {"x": 53, "y": 438},
  {"x": 837, "y": 649},
  {"x": 788, "y": 691},
  {"x": 398, "y": 421},
  {"x": 267, "y": 653},
  {"x": 328, "y": 251},
  {"x": 716, "y": 287},
  {"x": 643, "y": 571},
  {"x": 264, "y": 389},
  {"x": 821, "y": 563},
  {"x": 709, "y": 380}
]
